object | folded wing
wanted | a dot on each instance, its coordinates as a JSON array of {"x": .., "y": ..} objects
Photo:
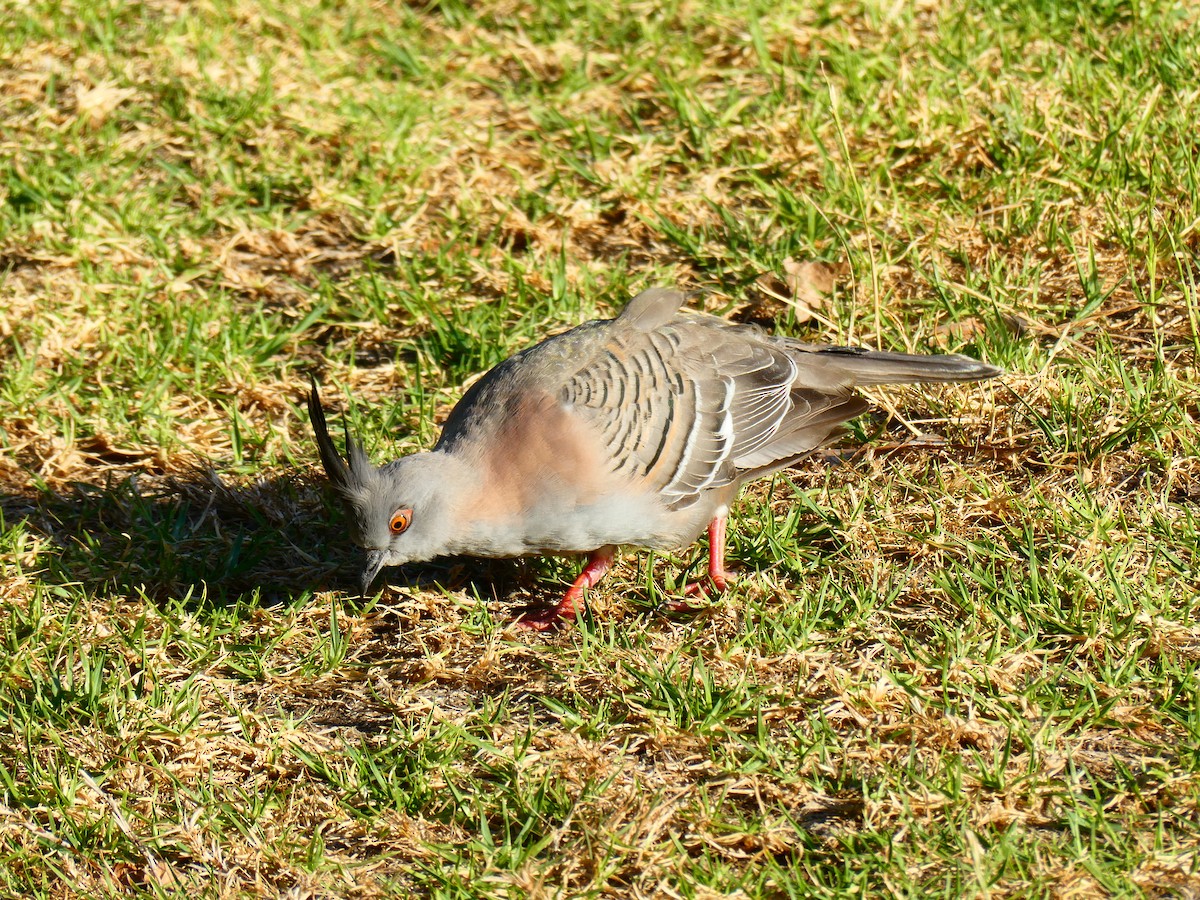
[{"x": 685, "y": 403}]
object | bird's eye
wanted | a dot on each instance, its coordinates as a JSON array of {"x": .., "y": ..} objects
[{"x": 401, "y": 519}]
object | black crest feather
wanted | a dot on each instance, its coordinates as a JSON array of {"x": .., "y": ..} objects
[{"x": 344, "y": 477}]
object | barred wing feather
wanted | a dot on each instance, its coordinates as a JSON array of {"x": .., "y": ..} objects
[
  {"x": 686, "y": 403},
  {"x": 689, "y": 407}
]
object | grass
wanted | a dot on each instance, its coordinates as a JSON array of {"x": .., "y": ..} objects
[{"x": 959, "y": 666}]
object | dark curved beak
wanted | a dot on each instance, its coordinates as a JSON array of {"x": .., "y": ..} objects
[{"x": 375, "y": 561}]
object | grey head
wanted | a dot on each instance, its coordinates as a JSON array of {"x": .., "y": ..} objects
[{"x": 398, "y": 512}]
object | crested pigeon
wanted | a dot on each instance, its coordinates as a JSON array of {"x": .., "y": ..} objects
[{"x": 637, "y": 430}]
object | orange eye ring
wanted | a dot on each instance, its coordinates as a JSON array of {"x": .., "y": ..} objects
[{"x": 400, "y": 521}]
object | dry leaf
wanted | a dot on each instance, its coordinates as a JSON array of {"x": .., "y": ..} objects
[
  {"x": 96, "y": 103},
  {"x": 965, "y": 330},
  {"x": 805, "y": 287},
  {"x": 962, "y": 330},
  {"x": 809, "y": 283}
]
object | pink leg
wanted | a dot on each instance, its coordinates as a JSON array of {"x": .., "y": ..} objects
[
  {"x": 718, "y": 576},
  {"x": 553, "y": 616}
]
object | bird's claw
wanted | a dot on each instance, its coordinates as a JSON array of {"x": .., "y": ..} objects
[
  {"x": 540, "y": 619},
  {"x": 719, "y": 581},
  {"x": 550, "y": 618}
]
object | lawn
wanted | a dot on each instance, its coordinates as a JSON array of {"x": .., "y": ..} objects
[{"x": 961, "y": 654}]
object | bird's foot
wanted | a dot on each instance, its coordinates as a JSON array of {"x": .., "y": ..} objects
[
  {"x": 716, "y": 582},
  {"x": 718, "y": 577},
  {"x": 548, "y": 618},
  {"x": 544, "y": 618}
]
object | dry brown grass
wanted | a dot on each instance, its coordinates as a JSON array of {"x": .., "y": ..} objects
[{"x": 963, "y": 664}]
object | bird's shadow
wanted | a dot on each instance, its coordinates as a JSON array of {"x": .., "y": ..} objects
[{"x": 203, "y": 538}]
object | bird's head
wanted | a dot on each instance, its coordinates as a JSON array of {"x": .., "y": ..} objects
[{"x": 396, "y": 512}]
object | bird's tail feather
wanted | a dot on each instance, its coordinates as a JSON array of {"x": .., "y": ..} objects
[{"x": 868, "y": 367}]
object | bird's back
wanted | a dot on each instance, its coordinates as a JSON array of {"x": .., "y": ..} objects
[{"x": 677, "y": 406}]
